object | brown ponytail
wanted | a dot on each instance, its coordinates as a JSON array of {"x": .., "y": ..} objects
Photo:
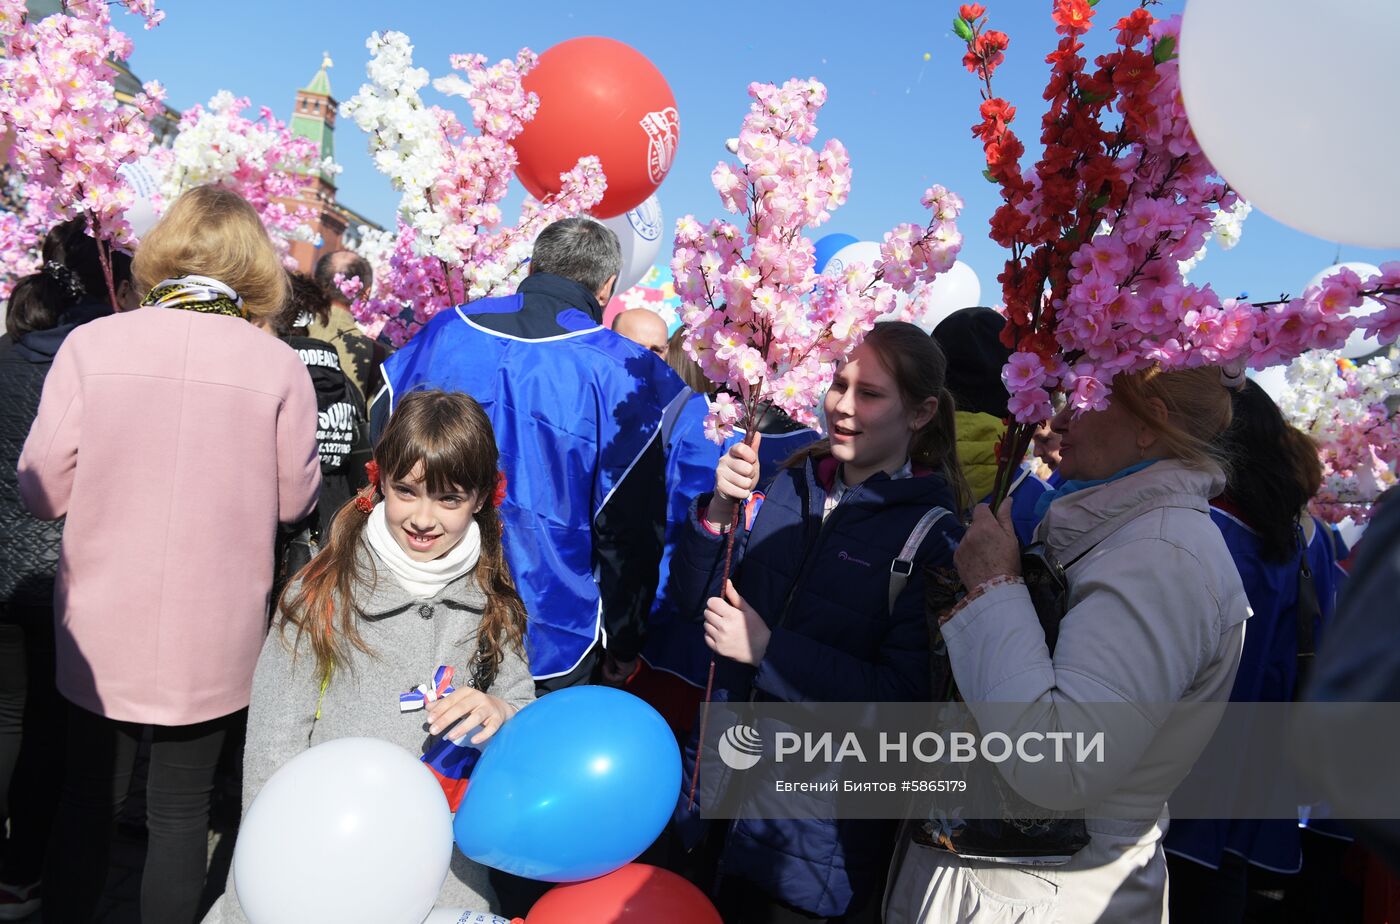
[
  {"x": 309, "y": 602},
  {"x": 937, "y": 445},
  {"x": 451, "y": 436}
]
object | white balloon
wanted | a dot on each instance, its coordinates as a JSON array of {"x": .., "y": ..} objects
[
  {"x": 143, "y": 177},
  {"x": 1272, "y": 380},
  {"x": 950, "y": 291},
  {"x": 867, "y": 252},
  {"x": 463, "y": 916},
  {"x": 639, "y": 232},
  {"x": 1275, "y": 106},
  {"x": 957, "y": 288},
  {"x": 1358, "y": 344},
  {"x": 355, "y": 831}
]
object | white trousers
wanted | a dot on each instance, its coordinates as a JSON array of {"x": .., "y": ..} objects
[{"x": 1119, "y": 876}]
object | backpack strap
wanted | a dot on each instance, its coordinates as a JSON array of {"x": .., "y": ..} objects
[{"x": 903, "y": 566}]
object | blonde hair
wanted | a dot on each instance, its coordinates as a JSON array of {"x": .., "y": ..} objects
[
  {"x": 212, "y": 231},
  {"x": 685, "y": 367},
  {"x": 1198, "y": 410}
]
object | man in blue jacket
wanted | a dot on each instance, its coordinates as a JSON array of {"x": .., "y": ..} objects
[{"x": 576, "y": 409}]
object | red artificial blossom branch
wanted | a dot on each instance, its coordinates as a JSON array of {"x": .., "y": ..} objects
[{"x": 1098, "y": 229}]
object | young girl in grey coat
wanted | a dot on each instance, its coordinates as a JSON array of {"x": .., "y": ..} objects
[{"x": 409, "y": 581}]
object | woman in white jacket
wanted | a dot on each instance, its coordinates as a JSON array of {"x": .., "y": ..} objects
[{"x": 1155, "y": 618}]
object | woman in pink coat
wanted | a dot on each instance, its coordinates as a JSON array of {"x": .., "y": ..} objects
[{"x": 174, "y": 438}]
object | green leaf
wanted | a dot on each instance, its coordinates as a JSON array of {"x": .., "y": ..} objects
[
  {"x": 1092, "y": 98},
  {"x": 1093, "y": 2},
  {"x": 989, "y": 177},
  {"x": 1099, "y": 203},
  {"x": 962, "y": 29},
  {"x": 1164, "y": 50}
]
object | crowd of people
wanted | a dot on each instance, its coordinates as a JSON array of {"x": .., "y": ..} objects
[{"x": 229, "y": 519}]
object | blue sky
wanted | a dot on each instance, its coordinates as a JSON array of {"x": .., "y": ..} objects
[{"x": 904, "y": 120}]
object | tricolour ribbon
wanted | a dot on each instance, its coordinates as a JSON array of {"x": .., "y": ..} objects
[
  {"x": 451, "y": 762},
  {"x": 423, "y": 694}
]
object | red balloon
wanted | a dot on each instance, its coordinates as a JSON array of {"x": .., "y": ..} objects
[
  {"x": 599, "y": 96},
  {"x": 634, "y": 894}
]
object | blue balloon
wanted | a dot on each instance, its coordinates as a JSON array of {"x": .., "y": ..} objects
[
  {"x": 577, "y": 785},
  {"x": 826, "y": 248}
]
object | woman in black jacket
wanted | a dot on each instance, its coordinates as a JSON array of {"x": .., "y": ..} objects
[{"x": 70, "y": 289}]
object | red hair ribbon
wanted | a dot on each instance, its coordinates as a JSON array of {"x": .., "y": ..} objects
[
  {"x": 364, "y": 502},
  {"x": 499, "y": 497}
]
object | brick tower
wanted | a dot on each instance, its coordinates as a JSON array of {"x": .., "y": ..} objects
[{"x": 314, "y": 118}]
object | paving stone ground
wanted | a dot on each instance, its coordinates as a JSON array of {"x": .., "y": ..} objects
[{"x": 122, "y": 902}]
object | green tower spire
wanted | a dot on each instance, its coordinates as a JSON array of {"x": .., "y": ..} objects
[{"x": 314, "y": 115}]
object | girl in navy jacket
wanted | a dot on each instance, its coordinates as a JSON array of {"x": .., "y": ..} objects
[{"x": 808, "y": 616}]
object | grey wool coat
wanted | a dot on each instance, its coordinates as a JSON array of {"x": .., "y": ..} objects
[{"x": 409, "y": 638}]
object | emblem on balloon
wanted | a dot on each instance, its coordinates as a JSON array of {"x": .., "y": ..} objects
[
  {"x": 645, "y": 220},
  {"x": 663, "y": 133}
]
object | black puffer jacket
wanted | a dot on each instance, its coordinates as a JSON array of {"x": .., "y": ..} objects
[{"x": 28, "y": 547}]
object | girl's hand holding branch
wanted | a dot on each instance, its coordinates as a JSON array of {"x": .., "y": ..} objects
[
  {"x": 736, "y": 476},
  {"x": 734, "y": 630}
]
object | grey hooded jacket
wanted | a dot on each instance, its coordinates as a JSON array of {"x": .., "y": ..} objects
[{"x": 1156, "y": 618}]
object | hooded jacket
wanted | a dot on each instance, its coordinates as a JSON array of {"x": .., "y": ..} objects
[
  {"x": 342, "y": 426},
  {"x": 823, "y": 588},
  {"x": 978, "y": 435},
  {"x": 28, "y": 546}
]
